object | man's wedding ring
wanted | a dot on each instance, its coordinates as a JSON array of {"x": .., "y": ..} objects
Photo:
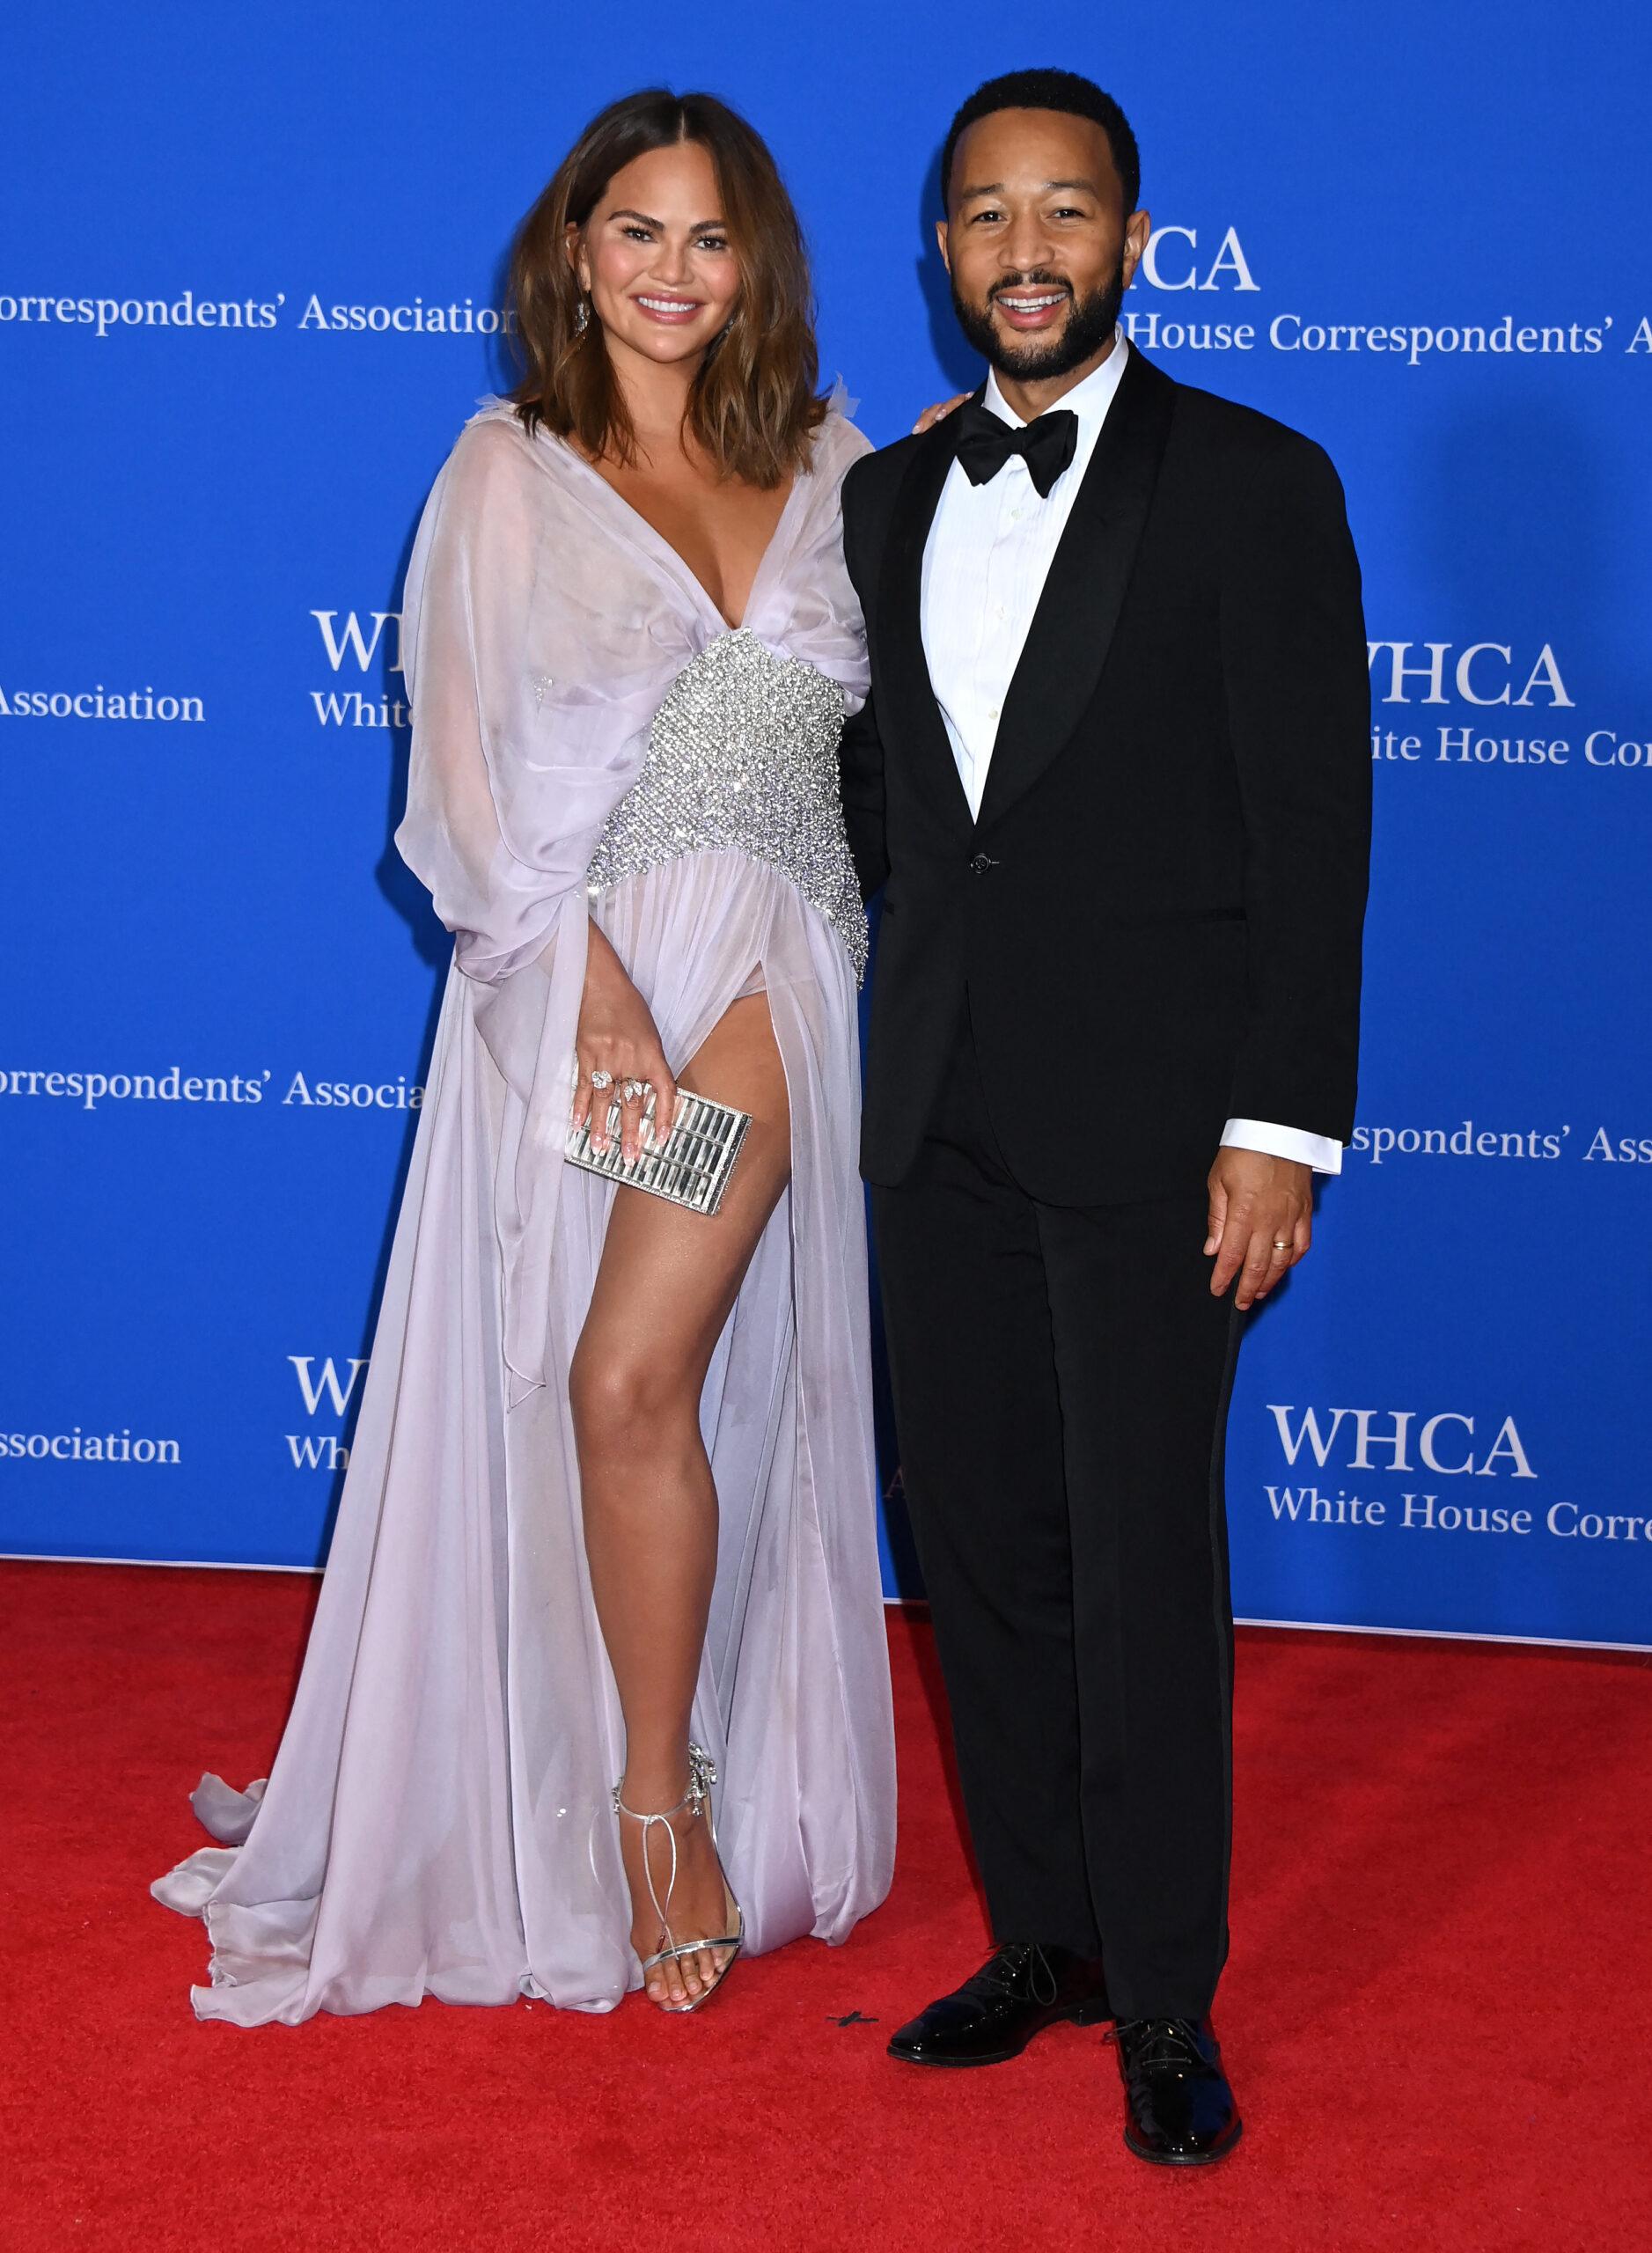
[
  {"x": 600, "y": 1079},
  {"x": 1282, "y": 1243}
]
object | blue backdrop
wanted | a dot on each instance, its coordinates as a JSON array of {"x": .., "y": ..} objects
[{"x": 247, "y": 290}]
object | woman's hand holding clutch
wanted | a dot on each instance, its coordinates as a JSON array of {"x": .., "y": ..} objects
[{"x": 620, "y": 1056}]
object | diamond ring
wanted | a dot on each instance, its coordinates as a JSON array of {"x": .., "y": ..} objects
[
  {"x": 600, "y": 1078},
  {"x": 633, "y": 1090}
]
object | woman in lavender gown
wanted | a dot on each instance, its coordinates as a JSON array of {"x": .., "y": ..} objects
[{"x": 610, "y": 1507}]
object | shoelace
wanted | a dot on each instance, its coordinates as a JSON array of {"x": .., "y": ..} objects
[
  {"x": 1018, "y": 1968},
  {"x": 1169, "y": 2044}
]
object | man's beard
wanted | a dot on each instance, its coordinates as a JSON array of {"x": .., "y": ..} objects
[{"x": 1090, "y": 324}]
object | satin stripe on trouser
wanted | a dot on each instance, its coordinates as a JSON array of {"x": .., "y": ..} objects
[{"x": 1061, "y": 1379}]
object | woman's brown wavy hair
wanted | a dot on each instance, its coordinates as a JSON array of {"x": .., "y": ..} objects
[{"x": 753, "y": 403}]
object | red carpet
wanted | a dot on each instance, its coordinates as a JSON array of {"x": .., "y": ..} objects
[{"x": 1435, "y": 2014}]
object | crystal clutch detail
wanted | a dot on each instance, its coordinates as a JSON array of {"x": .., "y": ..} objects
[{"x": 691, "y": 1170}]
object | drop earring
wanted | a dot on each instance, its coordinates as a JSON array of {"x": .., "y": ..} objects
[{"x": 582, "y": 317}]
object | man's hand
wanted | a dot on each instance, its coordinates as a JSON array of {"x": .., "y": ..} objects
[{"x": 1261, "y": 1220}]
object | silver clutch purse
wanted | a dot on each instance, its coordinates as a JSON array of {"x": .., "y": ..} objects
[{"x": 693, "y": 1167}]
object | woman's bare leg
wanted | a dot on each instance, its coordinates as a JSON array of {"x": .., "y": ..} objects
[{"x": 664, "y": 1288}]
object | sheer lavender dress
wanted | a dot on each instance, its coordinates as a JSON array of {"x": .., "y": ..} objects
[{"x": 438, "y": 1819}]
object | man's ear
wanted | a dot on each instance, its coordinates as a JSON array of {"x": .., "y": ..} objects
[
  {"x": 1137, "y": 228},
  {"x": 940, "y": 237}
]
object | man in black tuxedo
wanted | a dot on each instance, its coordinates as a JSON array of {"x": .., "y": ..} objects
[{"x": 1114, "y": 779}]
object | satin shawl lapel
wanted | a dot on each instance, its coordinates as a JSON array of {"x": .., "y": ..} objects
[
  {"x": 914, "y": 717},
  {"x": 1072, "y": 627}
]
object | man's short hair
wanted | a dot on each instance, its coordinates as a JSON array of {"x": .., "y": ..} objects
[{"x": 1058, "y": 90}]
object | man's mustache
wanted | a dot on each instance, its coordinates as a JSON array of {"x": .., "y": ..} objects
[{"x": 1029, "y": 282}]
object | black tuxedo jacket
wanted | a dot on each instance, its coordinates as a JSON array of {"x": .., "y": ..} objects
[{"x": 1154, "y": 923}]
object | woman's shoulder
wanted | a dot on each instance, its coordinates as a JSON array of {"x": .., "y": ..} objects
[
  {"x": 497, "y": 435},
  {"x": 837, "y": 433},
  {"x": 837, "y": 441},
  {"x": 497, "y": 467},
  {"x": 493, "y": 445}
]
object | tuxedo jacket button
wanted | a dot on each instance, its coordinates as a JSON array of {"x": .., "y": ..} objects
[{"x": 982, "y": 862}]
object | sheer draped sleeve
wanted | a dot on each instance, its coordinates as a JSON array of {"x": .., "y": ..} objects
[
  {"x": 812, "y": 609},
  {"x": 503, "y": 805},
  {"x": 515, "y": 767}
]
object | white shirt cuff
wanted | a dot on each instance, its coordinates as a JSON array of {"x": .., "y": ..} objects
[{"x": 1319, "y": 1151}]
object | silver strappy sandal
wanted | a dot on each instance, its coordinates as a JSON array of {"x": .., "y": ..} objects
[{"x": 697, "y": 1799}]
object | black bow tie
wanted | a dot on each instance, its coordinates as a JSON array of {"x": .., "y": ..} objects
[{"x": 986, "y": 442}]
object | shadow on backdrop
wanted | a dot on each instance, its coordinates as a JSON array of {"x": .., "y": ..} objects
[{"x": 960, "y": 363}]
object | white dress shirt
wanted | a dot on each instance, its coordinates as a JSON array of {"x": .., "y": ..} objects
[{"x": 988, "y": 555}]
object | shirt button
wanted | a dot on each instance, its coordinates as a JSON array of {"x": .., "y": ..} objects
[{"x": 995, "y": 712}]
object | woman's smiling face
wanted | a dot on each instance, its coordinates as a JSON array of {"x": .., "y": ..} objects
[{"x": 655, "y": 256}]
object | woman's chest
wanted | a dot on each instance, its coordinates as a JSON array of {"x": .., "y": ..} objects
[{"x": 720, "y": 534}]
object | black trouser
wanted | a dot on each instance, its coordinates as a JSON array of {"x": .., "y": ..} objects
[{"x": 1062, "y": 1378}]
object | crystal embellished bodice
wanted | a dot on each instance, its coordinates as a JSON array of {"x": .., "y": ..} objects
[{"x": 743, "y": 757}]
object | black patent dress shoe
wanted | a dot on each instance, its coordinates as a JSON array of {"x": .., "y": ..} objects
[
  {"x": 1019, "y": 1991},
  {"x": 1181, "y": 2111}
]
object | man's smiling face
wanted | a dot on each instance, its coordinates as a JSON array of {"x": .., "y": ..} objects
[{"x": 1037, "y": 241}]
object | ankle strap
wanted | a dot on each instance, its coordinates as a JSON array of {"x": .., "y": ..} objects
[{"x": 701, "y": 1775}]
